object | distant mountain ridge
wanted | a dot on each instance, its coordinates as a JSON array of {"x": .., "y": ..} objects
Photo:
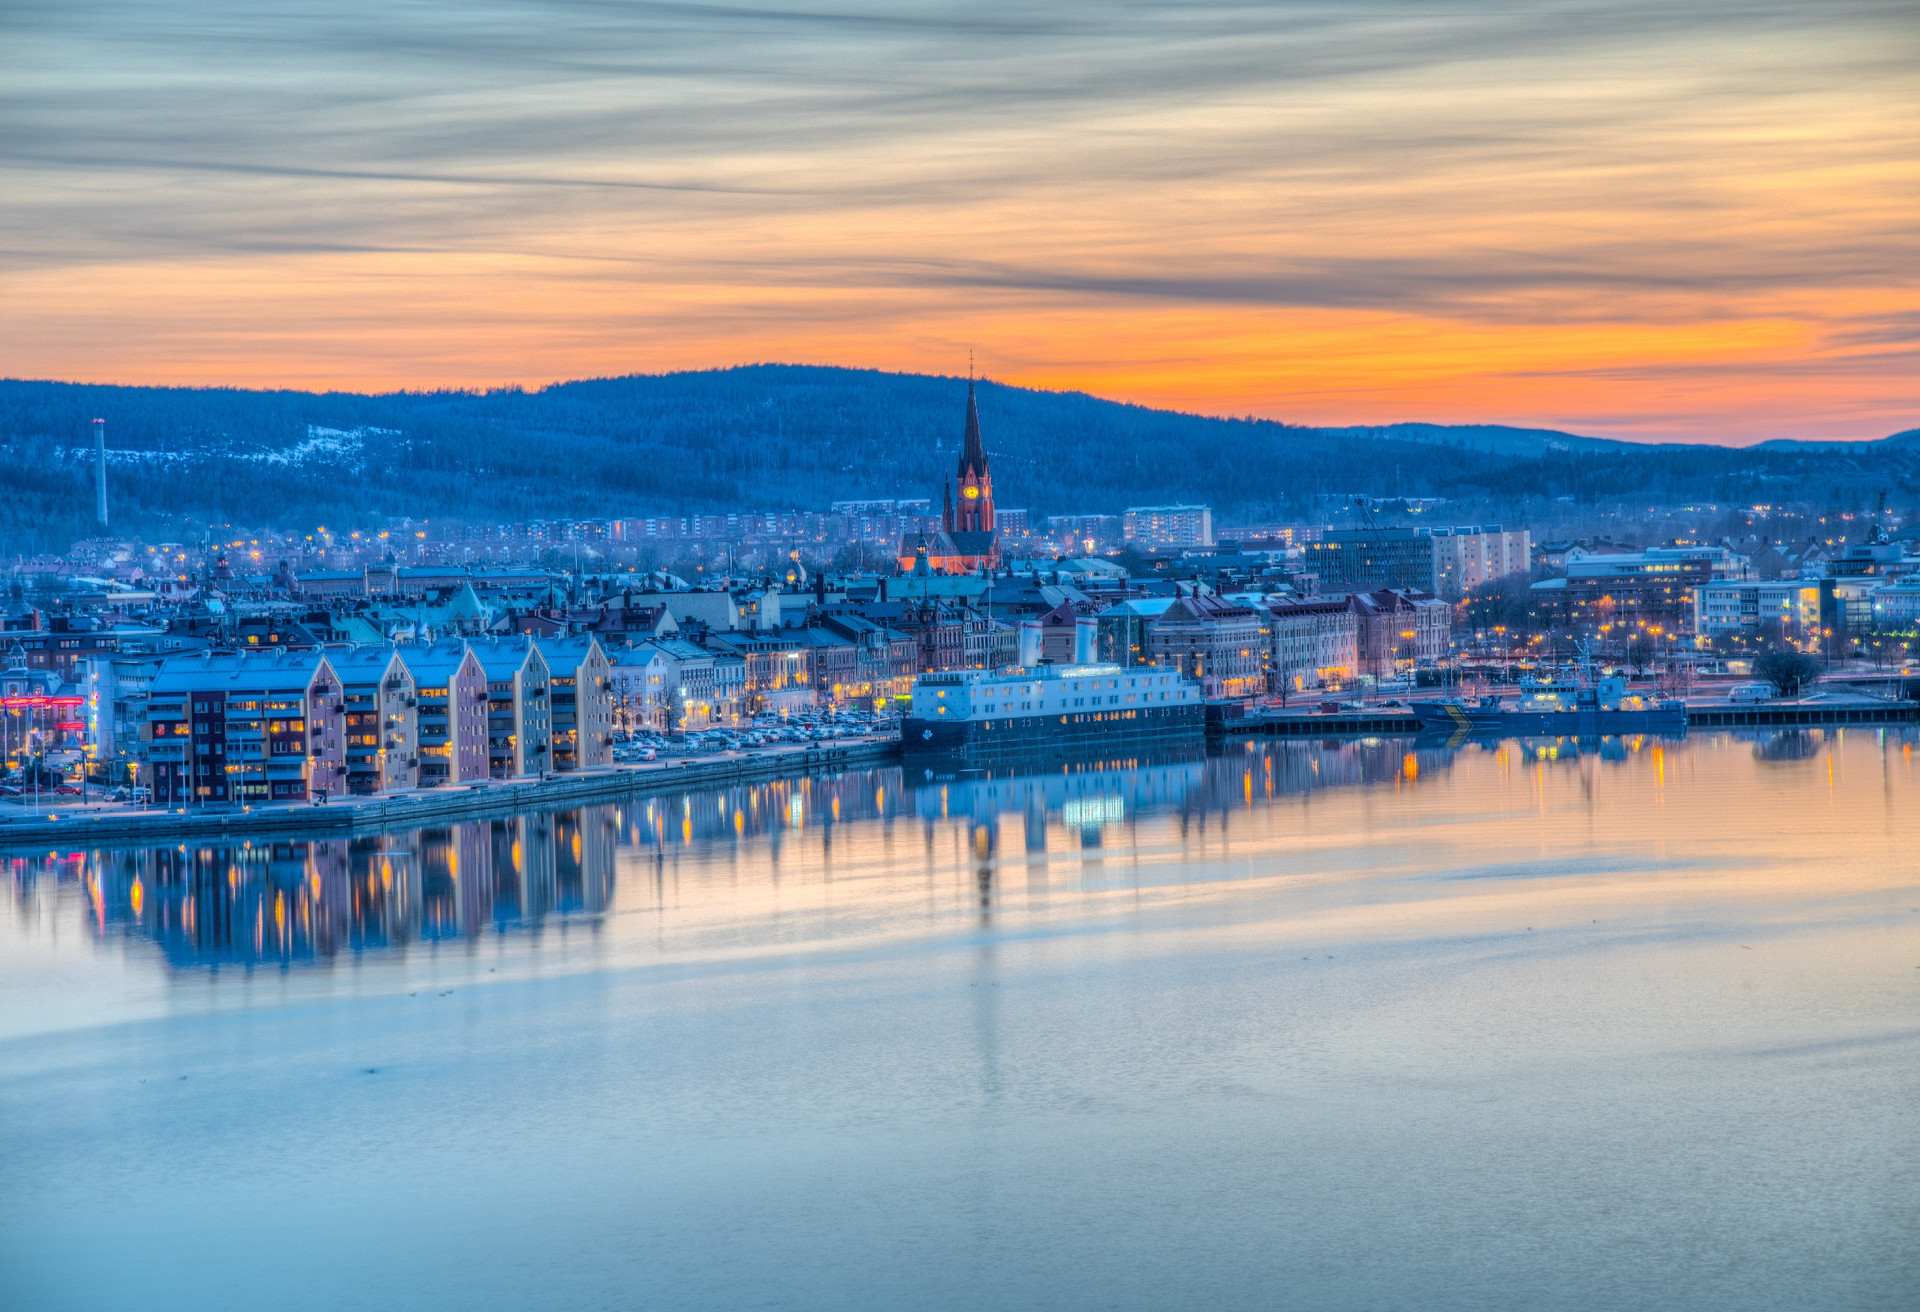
[
  {"x": 771, "y": 437},
  {"x": 1498, "y": 439}
]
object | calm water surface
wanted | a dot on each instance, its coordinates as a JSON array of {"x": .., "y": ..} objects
[{"x": 1343, "y": 1025}]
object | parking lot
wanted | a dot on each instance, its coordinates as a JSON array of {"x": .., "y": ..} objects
[{"x": 762, "y": 733}]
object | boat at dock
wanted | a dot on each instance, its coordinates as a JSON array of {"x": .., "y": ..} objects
[
  {"x": 1052, "y": 710},
  {"x": 1581, "y": 708}
]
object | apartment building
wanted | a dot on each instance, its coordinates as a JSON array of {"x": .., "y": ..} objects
[
  {"x": 377, "y": 691},
  {"x": 1154, "y": 527},
  {"x": 581, "y": 692},
  {"x": 236, "y": 728},
  {"x": 1467, "y": 558},
  {"x": 451, "y": 718},
  {"x": 519, "y": 707}
]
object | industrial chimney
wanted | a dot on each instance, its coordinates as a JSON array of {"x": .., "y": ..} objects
[{"x": 100, "y": 472}]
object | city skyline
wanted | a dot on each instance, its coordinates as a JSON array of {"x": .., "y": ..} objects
[{"x": 1628, "y": 222}]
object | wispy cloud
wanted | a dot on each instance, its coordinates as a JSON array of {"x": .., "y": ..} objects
[{"x": 1474, "y": 168}]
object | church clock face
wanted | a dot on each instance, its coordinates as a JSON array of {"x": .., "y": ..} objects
[{"x": 971, "y": 493}]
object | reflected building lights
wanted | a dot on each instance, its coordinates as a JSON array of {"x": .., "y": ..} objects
[{"x": 311, "y": 901}]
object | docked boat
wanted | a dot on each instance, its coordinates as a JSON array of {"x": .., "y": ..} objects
[
  {"x": 1052, "y": 710},
  {"x": 1583, "y": 708}
]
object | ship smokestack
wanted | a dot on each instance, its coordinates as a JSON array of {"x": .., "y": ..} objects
[
  {"x": 100, "y": 471},
  {"x": 1086, "y": 640},
  {"x": 1029, "y": 643}
]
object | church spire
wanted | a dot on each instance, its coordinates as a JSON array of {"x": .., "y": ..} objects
[{"x": 973, "y": 455}]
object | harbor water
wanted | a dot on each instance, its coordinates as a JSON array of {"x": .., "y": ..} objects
[{"x": 1377, "y": 1023}]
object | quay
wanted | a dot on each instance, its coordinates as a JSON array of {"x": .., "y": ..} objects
[
  {"x": 445, "y": 805},
  {"x": 1832, "y": 711},
  {"x": 1701, "y": 714},
  {"x": 1313, "y": 724}
]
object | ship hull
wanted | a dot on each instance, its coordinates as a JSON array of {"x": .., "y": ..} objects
[
  {"x": 1449, "y": 717},
  {"x": 1018, "y": 737}
]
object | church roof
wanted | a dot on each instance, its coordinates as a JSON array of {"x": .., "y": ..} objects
[{"x": 971, "y": 543}]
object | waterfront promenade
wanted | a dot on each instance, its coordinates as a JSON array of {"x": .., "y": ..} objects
[
  {"x": 65, "y": 820},
  {"x": 33, "y": 828}
]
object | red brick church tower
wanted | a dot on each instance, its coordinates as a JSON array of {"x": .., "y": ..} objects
[
  {"x": 967, "y": 540},
  {"x": 974, "y": 511}
]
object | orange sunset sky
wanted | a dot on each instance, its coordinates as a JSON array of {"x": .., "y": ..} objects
[{"x": 1692, "y": 222}]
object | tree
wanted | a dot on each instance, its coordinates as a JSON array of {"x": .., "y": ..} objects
[
  {"x": 1786, "y": 669},
  {"x": 1640, "y": 654},
  {"x": 1501, "y": 604}
]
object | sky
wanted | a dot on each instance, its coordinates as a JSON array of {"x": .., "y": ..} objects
[{"x": 1668, "y": 221}]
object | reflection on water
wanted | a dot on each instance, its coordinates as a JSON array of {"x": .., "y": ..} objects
[
  {"x": 289, "y": 901},
  {"x": 1373, "y": 1023},
  {"x": 213, "y": 905},
  {"x": 1788, "y": 745}
]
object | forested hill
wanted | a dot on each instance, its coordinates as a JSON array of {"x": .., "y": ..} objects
[{"x": 780, "y": 437}]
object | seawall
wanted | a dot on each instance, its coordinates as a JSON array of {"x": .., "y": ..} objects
[{"x": 126, "y": 827}]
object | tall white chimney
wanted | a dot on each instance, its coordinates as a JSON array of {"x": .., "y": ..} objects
[{"x": 100, "y": 471}]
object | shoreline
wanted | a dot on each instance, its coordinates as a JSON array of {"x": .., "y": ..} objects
[{"x": 127, "y": 827}]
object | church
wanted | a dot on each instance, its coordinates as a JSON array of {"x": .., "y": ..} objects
[{"x": 967, "y": 540}]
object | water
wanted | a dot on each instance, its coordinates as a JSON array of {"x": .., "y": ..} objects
[{"x": 1355, "y": 1025}]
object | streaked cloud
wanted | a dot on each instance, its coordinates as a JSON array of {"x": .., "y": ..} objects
[{"x": 1324, "y": 212}]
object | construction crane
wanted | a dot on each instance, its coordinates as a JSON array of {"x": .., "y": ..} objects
[{"x": 1376, "y": 541}]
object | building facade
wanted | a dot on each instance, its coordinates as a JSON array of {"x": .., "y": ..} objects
[
  {"x": 1362, "y": 560},
  {"x": 1472, "y": 557},
  {"x": 519, "y": 707},
  {"x": 1315, "y": 643},
  {"x": 377, "y": 691},
  {"x": 1221, "y": 643},
  {"x": 1787, "y": 607},
  {"x": 237, "y": 728},
  {"x": 1639, "y": 588},
  {"x": 1397, "y": 631},
  {"x": 581, "y": 690},
  {"x": 451, "y": 719},
  {"x": 1152, "y": 528}
]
